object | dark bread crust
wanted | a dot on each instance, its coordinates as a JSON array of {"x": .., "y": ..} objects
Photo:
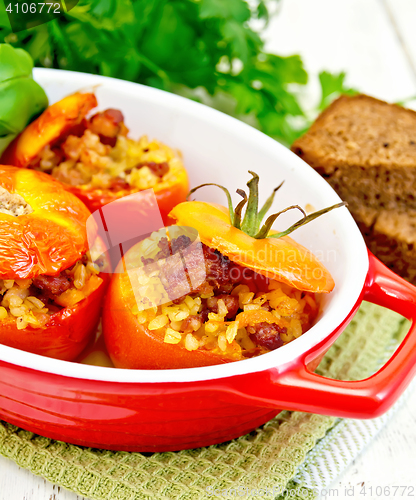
[
  {"x": 391, "y": 236},
  {"x": 366, "y": 149}
]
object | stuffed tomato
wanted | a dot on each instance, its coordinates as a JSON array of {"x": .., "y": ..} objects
[
  {"x": 50, "y": 289},
  {"x": 213, "y": 289},
  {"x": 94, "y": 158}
]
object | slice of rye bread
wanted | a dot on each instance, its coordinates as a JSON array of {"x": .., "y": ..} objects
[
  {"x": 391, "y": 235},
  {"x": 366, "y": 149}
]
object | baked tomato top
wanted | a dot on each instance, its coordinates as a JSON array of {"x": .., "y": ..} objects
[
  {"x": 280, "y": 259},
  {"x": 42, "y": 226},
  {"x": 249, "y": 242},
  {"x": 52, "y": 124}
]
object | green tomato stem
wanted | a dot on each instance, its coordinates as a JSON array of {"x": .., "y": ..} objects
[
  {"x": 264, "y": 231},
  {"x": 230, "y": 203},
  {"x": 250, "y": 221},
  {"x": 253, "y": 217},
  {"x": 306, "y": 219},
  {"x": 239, "y": 208},
  {"x": 266, "y": 207}
]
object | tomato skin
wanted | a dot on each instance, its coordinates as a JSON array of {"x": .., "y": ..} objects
[
  {"x": 66, "y": 334},
  {"x": 131, "y": 345},
  {"x": 52, "y": 124},
  {"x": 176, "y": 193},
  {"x": 167, "y": 198},
  {"x": 48, "y": 240}
]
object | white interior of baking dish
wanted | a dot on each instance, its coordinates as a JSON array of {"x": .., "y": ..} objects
[{"x": 220, "y": 149}]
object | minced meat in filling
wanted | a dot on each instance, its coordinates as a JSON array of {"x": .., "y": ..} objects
[
  {"x": 98, "y": 154},
  {"x": 234, "y": 311},
  {"x": 31, "y": 301}
]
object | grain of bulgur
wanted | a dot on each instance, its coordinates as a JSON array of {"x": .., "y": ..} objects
[
  {"x": 18, "y": 300},
  {"x": 221, "y": 334}
]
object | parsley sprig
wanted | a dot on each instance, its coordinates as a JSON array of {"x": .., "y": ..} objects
[{"x": 207, "y": 50}]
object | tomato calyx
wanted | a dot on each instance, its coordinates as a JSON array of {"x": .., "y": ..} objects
[{"x": 253, "y": 217}]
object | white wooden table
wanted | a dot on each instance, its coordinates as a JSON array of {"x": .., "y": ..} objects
[{"x": 374, "y": 41}]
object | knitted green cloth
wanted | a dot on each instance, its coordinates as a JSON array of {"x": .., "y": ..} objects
[{"x": 266, "y": 458}]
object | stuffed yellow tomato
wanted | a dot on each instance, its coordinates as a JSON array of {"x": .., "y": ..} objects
[
  {"x": 215, "y": 288},
  {"x": 94, "y": 158}
]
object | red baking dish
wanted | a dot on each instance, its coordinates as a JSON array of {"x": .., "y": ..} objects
[{"x": 162, "y": 410}]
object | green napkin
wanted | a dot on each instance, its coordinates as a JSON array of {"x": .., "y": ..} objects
[{"x": 286, "y": 458}]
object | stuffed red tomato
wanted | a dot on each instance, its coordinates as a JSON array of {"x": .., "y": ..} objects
[
  {"x": 213, "y": 289},
  {"x": 50, "y": 289}
]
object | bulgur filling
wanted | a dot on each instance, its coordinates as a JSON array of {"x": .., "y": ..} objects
[
  {"x": 31, "y": 301},
  {"x": 98, "y": 154},
  {"x": 13, "y": 204},
  {"x": 235, "y": 313}
]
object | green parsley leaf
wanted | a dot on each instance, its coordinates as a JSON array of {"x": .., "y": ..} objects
[
  {"x": 332, "y": 86},
  {"x": 207, "y": 50}
]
